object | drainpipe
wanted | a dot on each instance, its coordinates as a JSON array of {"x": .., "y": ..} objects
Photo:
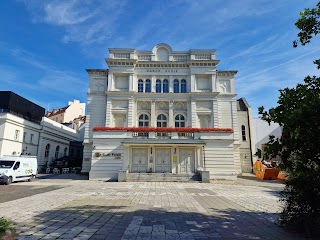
[{"x": 204, "y": 158}]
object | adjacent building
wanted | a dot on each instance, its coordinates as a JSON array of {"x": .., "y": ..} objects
[
  {"x": 73, "y": 113},
  {"x": 164, "y": 111},
  {"x": 24, "y": 131}
]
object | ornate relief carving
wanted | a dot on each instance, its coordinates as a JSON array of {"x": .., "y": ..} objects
[
  {"x": 144, "y": 105},
  {"x": 179, "y": 106},
  {"x": 224, "y": 86},
  {"x": 162, "y": 105},
  {"x": 98, "y": 86}
]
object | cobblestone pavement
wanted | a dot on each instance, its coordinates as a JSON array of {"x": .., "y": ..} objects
[{"x": 111, "y": 210}]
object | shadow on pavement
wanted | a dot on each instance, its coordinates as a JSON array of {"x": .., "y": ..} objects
[
  {"x": 69, "y": 176},
  {"x": 119, "y": 219}
]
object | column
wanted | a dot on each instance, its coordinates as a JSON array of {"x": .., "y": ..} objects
[
  {"x": 192, "y": 82},
  {"x": 130, "y": 82},
  {"x": 153, "y": 113},
  {"x": 170, "y": 84},
  {"x": 153, "y": 84},
  {"x": 110, "y": 81},
  {"x": 135, "y": 113},
  {"x": 171, "y": 120},
  {"x": 189, "y": 115},
  {"x": 213, "y": 83}
]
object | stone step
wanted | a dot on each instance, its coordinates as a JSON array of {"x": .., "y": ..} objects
[{"x": 162, "y": 177}]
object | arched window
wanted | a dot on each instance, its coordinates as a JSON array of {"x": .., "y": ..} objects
[
  {"x": 243, "y": 133},
  {"x": 148, "y": 85},
  {"x": 176, "y": 86},
  {"x": 165, "y": 87},
  {"x": 143, "y": 120},
  {"x": 179, "y": 121},
  {"x": 65, "y": 151},
  {"x": 161, "y": 120},
  {"x": 204, "y": 122},
  {"x": 140, "y": 85},
  {"x": 183, "y": 86},
  {"x": 46, "y": 153},
  {"x": 158, "y": 86},
  {"x": 56, "y": 155}
]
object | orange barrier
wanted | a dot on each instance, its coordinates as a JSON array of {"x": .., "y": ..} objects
[
  {"x": 282, "y": 176},
  {"x": 265, "y": 173}
]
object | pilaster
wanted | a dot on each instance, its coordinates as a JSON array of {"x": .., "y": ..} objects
[
  {"x": 193, "y": 114},
  {"x": 171, "y": 84},
  {"x": 214, "y": 117},
  {"x": 130, "y": 112},
  {"x": 110, "y": 81},
  {"x": 131, "y": 82},
  {"x": 108, "y": 112},
  {"x": 193, "y": 82},
  {"x": 213, "y": 83},
  {"x": 171, "y": 120},
  {"x": 153, "y": 114},
  {"x": 153, "y": 84}
]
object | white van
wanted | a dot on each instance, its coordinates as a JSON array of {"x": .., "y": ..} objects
[{"x": 13, "y": 168}]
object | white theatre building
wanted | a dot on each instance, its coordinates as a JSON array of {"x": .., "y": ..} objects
[{"x": 162, "y": 111}]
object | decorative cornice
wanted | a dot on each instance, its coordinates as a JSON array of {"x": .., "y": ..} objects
[
  {"x": 98, "y": 71},
  {"x": 227, "y": 73},
  {"x": 160, "y": 129}
]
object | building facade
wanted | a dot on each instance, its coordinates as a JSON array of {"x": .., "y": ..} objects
[
  {"x": 24, "y": 131},
  {"x": 73, "y": 113},
  {"x": 162, "y": 111}
]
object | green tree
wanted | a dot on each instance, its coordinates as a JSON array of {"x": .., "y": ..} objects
[{"x": 298, "y": 112}]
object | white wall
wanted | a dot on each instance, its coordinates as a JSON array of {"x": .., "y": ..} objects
[{"x": 262, "y": 131}]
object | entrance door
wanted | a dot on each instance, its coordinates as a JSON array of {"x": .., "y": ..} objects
[
  {"x": 139, "y": 160},
  {"x": 186, "y": 159},
  {"x": 163, "y": 157}
]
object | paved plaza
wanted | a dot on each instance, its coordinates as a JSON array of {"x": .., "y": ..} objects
[{"x": 79, "y": 209}]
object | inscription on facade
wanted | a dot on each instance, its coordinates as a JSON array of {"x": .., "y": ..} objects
[{"x": 162, "y": 70}]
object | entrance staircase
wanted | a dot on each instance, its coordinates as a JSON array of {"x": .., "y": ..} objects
[{"x": 163, "y": 177}]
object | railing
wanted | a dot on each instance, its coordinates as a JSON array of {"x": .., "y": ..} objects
[
  {"x": 140, "y": 134},
  {"x": 122, "y": 55},
  {"x": 202, "y": 56},
  {"x": 185, "y": 134},
  {"x": 180, "y": 58},
  {"x": 144, "y": 57},
  {"x": 163, "y": 134}
]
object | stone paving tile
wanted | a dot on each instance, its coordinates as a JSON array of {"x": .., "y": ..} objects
[{"x": 100, "y": 210}]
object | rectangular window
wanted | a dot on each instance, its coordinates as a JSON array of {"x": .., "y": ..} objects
[
  {"x": 24, "y": 136},
  {"x": 31, "y": 138},
  {"x": 16, "y": 135},
  {"x": 243, "y": 133}
]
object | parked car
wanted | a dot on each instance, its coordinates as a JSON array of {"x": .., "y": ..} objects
[{"x": 15, "y": 168}]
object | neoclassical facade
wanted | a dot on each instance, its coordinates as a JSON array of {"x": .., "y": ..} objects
[{"x": 161, "y": 111}]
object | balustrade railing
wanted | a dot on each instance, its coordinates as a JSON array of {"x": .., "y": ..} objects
[
  {"x": 185, "y": 134},
  {"x": 163, "y": 134},
  {"x": 140, "y": 134}
]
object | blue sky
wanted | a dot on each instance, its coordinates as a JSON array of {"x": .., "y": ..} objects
[{"x": 46, "y": 45}]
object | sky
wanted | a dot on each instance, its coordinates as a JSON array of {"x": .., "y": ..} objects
[{"x": 46, "y": 45}]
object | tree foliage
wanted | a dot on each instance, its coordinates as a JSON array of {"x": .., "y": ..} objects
[{"x": 298, "y": 112}]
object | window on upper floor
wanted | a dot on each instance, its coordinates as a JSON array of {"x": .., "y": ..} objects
[
  {"x": 24, "y": 136},
  {"x": 243, "y": 133},
  {"x": 176, "y": 86},
  {"x": 161, "y": 120},
  {"x": 65, "y": 151},
  {"x": 179, "y": 121},
  {"x": 16, "y": 135},
  {"x": 47, "y": 151},
  {"x": 148, "y": 85},
  {"x": 183, "y": 86},
  {"x": 158, "y": 86},
  {"x": 143, "y": 120},
  {"x": 56, "y": 155},
  {"x": 31, "y": 138},
  {"x": 165, "y": 87},
  {"x": 140, "y": 85}
]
